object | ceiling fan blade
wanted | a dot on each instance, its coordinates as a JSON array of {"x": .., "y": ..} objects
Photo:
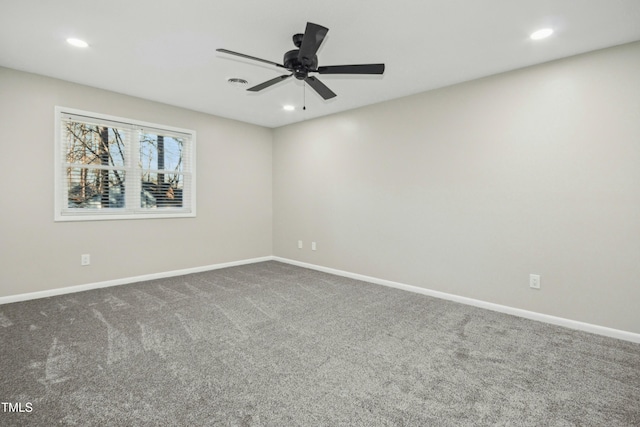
[
  {"x": 352, "y": 69},
  {"x": 269, "y": 83},
  {"x": 314, "y": 34},
  {"x": 320, "y": 87},
  {"x": 230, "y": 52}
]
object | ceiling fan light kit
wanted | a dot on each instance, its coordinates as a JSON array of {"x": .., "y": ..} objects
[{"x": 303, "y": 60}]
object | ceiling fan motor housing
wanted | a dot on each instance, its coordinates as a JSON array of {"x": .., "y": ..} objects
[{"x": 299, "y": 68}]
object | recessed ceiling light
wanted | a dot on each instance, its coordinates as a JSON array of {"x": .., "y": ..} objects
[
  {"x": 288, "y": 108},
  {"x": 541, "y": 34},
  {"x": 77, "y": 42}
]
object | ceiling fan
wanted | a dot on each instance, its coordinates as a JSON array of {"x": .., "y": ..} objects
[{"x": 302, "y": 61}]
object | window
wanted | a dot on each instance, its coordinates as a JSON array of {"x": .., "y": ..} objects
[{"x": 114, "y": 168}]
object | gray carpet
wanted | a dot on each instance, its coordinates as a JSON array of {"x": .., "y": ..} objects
[{"x": 277, "y": 345}]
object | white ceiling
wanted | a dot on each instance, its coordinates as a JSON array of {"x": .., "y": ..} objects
[{"x": 164, "y": 50}]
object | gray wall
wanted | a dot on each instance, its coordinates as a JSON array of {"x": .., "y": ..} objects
[
  {"x": 234, "y": 197},
  {"x": 469, "y": 189}
]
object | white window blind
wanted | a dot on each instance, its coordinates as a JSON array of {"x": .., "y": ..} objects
[{"x": 116, "y": 168}]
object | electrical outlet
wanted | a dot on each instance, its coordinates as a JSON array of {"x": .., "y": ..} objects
[
  {"x": 534, "y": 281},
  {"x": 299, "y": 244},
  {"x": 313, "y": 246},
  {"x": 85, "y": 259}
]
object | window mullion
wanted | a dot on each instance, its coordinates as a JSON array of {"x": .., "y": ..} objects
[{"x": 133, "y": 171}]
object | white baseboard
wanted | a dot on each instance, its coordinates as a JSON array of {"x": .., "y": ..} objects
[
  {"x": 568, "y": 323},
  {"x": 126, "y": 280}
]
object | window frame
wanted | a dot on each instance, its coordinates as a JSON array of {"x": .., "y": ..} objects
[{"x": 63, "y": 213}]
